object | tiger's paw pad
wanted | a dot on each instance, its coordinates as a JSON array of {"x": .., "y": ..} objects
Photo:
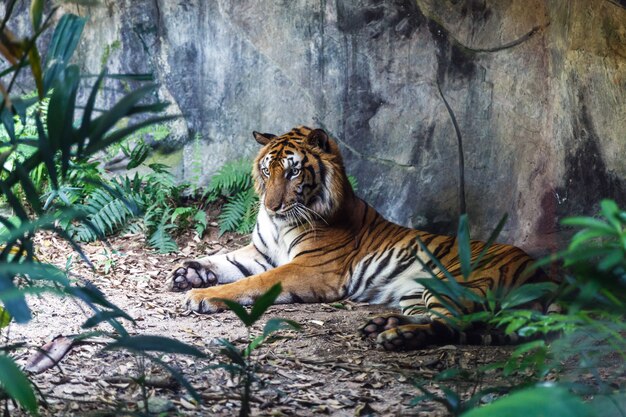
[
  {"x": 200, "y": 303},
  {"x": 379, "y": 324},
  {"x": 189, "y": 275},
  {"x": 405, "y": 337}
]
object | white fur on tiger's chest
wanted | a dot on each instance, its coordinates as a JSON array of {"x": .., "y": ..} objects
[{"x": 269, "y": 240}]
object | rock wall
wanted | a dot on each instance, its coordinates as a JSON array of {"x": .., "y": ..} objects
[{"x": 538, "y": 88}]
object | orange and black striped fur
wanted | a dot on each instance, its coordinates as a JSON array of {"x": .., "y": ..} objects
[{"x": 324, "y": 244}]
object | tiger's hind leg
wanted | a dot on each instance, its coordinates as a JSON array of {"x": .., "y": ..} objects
[
  {"x": 415, "y": 328},
  {"x": 399, "y": 332},
  {"x": 397, "y": 328}
]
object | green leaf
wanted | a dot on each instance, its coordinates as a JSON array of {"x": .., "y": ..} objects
[
  {"x": 492, "y": 238},
  {"x": 61, "y": 115},
  {"x": 584, "y": 236},
  {"x": 178, "y": 376},
  {"x": 46, "y": 153},
  {"x": 5, "y": 318},
  {"x": 232, "y": 178},
  {"x": 83, "y": 131},
  {"x": 238, "y": 209},
  {"x": 181, "y": 211},
  {"x": 9, "y": 123},
  {"x": 537, "y": 401},
  {"x": 35, "y": 67},
  {"x": 589, "y": 222},
  {"x": 264, "y": 302},
  {"x": 232, "y": 353},
  {"x": 253, "y": 345},
  {"x": 121, "y": 109},
  {"x": 101, "y": 316},
  {"x": 611, "y": 260},
  {"x": 160, "y": 238},
  {"x": 611, "y": 211},
  {"x": 28, "y": 187},
  {"x": 16, "y": 385},
  {"x": 62, "y": 46},
  {"x": 526, "y": 293},
  {"x": 138, "y": 155},
  {"x": 451, "y": 279},
  {"x": 452, "y": 399},
  {"x": 36, "y": 11},
  {"x": 527, "y": 347},
  {"x": 201, "y": 222},
  {"x": 276, "y": 324},
  {"x": 464, "y": 249},
  {"x": 100, "y": 143},
  {"x": 238, "y": 309},
  {"x": 145, "y": 343},
  {"x": 15, "y": 304},
  {"x": 449, "y": 298},
  {"x": 35, "y": 271}
]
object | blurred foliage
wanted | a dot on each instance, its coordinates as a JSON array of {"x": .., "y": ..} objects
[
  {"x": 45, "y": 147},
  {"x": 574, "y": 345}
]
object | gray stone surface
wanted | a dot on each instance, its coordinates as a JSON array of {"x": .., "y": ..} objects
[{"x": 543, "y": 122}]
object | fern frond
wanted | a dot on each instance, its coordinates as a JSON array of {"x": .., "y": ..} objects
[
  {"x": 183, "y": 212},
  {"x": 353, "y": 182},
  {"x": 234, "y": 211},
  {"x": 107, "y": 213},
  {"x": 161, "y": 239},
  {"x": 201, "y": 222},
  {"x": 249, "y": 217},
  {"x": 135, "y": 228},
  {"x": 231, "y": 178}
]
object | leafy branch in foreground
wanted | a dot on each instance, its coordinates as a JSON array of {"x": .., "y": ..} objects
[
  {"x": 57, "y": 143},
  {"x": 241, "y": 363},
  {"x": 456, "y": 296},
  {"x": 591, "y": 331}
]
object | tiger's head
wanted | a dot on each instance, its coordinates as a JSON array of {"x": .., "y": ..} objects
[{"x": 300, "y": 177}]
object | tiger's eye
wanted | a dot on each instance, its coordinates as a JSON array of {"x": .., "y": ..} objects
[
  {"x": 265, "y": 172},
  {"x": 295, "y": 172}
]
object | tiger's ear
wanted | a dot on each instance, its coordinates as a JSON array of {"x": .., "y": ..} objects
[
  {"x": 318, "y": 138},
  {"x": 263, "y": 138}
]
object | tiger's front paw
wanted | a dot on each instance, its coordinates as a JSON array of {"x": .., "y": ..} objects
[
  {"x": 202, "y": 301},
  {"x": 379, "y": 324},
  {"x": 405, "y": 337},
  {"x": 190, "y": 274}
]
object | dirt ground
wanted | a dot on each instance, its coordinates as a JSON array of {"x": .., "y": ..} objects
[{"x": 325, "y": 369}]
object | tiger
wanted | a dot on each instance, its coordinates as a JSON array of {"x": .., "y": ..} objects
[{"x": 322, "y": 243}]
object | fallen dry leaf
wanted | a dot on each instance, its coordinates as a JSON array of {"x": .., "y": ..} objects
[{"x": 49, "y": 354}]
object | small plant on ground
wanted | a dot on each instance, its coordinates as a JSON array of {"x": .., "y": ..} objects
[{"x": 241, "y": 363}]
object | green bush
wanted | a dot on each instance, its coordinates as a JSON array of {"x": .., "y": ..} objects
[{"x": 590, "y": 331}]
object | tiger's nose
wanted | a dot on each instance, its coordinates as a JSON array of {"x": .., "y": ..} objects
[
  {"x": 273, "y": 205},
  {"x": 276, "y": 207}
]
